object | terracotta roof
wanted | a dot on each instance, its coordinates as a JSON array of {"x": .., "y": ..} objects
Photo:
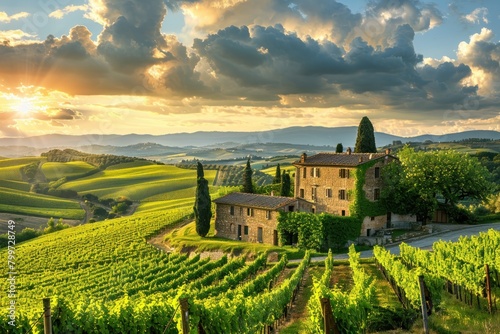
[
  {"x": 340, "y": 159},
  {"x": 255, "y": 200}
]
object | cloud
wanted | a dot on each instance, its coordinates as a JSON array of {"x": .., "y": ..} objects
[
  {"x": 60, "y": 13},
  {"x": 5, "y": 18},
  {"x": 13, "y": 35},
  {"x": 59, "y": 114},
  {"x": 477, "y": 16},
  {"x": 483, "y": 55}
]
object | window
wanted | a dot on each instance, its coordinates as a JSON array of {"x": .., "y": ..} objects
[
  {"x": 343, "y": 212},
  {"x": 304, "y": 172},
  {"x": 342, "y": 194},
  {"x": 231, "y": 210},
  {"x": 249, "y": 211},
  {"x": 301, "y": 193},
  {"x": 377, "y": 172},
  {"x": 372, "y": 218},
  {"x": 344, "y": 173},
  {"x": 315, "y": 172},
  {"x": 328, "y": 192},
  {"x": 268, "y": 214},
  {"x": 245, "y": 230},
  {"x": 376, "y": 194},
  {"x": 313, "y": 193}
]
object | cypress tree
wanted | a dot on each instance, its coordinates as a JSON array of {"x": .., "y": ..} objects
[
  {"x": 247, "y": 178},
  {"x": 365, "y": 141},
  {"x": 340, "y": 148},
  {"x": 277, "y": 176},
  {"x": 285, "y": 185},
  {"x": 203, "y": 204}
]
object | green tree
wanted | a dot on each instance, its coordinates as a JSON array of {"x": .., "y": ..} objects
[
  {"x": 422, "y": 177},
  {"x": 247, "y": 179},
  {"x": 277, "y": 176},
  {"x": 203, "y": 204},
  {"x": 365, "y": 140},
  {"x": 339, "y": 148},
  {"x": 285, "y": 185}
]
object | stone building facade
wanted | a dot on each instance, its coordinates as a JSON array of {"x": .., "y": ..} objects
[
  {"x": 253, "y": 217},
  {"x": 327, "y": 181}
]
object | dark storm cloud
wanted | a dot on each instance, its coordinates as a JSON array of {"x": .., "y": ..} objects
[
  {"x": 132, "y": 35},
  {"x": 282, "y": 63}
]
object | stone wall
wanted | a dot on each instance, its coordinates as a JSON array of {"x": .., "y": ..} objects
[
  {"x": 328, "y": 178},
  {"x": 372, "y": 224}
]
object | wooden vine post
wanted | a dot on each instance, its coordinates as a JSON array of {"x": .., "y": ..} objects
[
  {"x": 329, "y": 324},
  {"x": 424, "y": 304},
  {"x": 488, "y": 288},
  {"x": 184, "y": 315},
  {"x": 47, "y": 317}
]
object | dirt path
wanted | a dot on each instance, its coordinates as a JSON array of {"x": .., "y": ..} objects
[
  {"x": 88, "y": 212},
  {"x": 158, "y": 240},
  {"x": 299, "y": 306}
]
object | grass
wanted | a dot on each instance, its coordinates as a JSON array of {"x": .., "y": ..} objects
[
  {"x": 10, "y": 168},
  {"x": 57, "y": 170},
  {"x": 21, "y": 202},
  {"x": 137, "y": 181},
  {"x": 19, "y": 162},
  {"x": 454, "y": 316},
  {"x": 16, "y": 185},
  {"x": 186, "y": 238}
]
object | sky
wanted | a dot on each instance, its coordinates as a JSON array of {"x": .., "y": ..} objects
[{"x": 168, "y": 66}]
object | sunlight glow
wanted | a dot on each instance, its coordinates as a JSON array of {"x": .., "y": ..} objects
[{"x": 24, "y": 106}]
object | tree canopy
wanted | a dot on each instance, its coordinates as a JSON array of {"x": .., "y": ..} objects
[
  {"x": 277, "y": 176},
  {"x": 339, "y": 148},
  {"x": 247, "y": 179},
  {"x": 286, "y": 186},
  {"x": 365, "y": 140},
  {"x": 203, "y": 204},
  {"x": 414, "y": 185}
]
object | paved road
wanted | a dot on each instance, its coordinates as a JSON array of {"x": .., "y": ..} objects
[{"x": 448, "y": 233}]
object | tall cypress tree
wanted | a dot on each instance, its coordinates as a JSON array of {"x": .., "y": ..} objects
[
  {"x": 339, "y": 148},
  {"x": 247, "y": 178},
  {"x": 285, "y": 185},
  {"x": 277, "y": 176},
  {"x": 365, "y": 141},
  {"x": 203, "y": 204}
]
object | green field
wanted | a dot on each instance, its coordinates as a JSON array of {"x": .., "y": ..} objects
[
  {"x": 10, "y": 168},
  {"x": 57, "y": 170},
  {"x": 137, "y": 181},
  {"x": 16, "y": 185},
  {"x": 22, "y": 202}
]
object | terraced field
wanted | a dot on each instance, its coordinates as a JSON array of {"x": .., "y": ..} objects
[
  {"x": 26, "y": 203},
  {"x": 57, "y": 170},
  {"x": 137, "y": 181}
]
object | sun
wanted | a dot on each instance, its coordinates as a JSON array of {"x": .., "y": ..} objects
[{"x": 24, "y": 106}]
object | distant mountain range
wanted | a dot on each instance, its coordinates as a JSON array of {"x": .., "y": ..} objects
[{"x": 309, "y": 135}]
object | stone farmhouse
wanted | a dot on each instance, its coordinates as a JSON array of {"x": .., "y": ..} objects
[
  {"x": 324, "y": 182},
  {"x": 253, "y": 217}
]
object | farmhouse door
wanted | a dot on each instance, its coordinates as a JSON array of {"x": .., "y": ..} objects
[
  {"x": 239, "y": 232},
  {"x": 275, "y": 238},
  {"x": 259, "y": 234}
]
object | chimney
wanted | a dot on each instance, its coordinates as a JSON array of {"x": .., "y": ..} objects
[
  {"x": 349, "y": 151},
  {"x": 272, "y": 192},
  {"x": 360, "y": 159},
  {"x": 371, "y": 156},
  {"x": 387, "y": 151},
  {"x": 303, "y": 157}
]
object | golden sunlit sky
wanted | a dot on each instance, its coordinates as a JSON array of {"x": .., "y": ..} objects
[{"x": 168, "y": 66}]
